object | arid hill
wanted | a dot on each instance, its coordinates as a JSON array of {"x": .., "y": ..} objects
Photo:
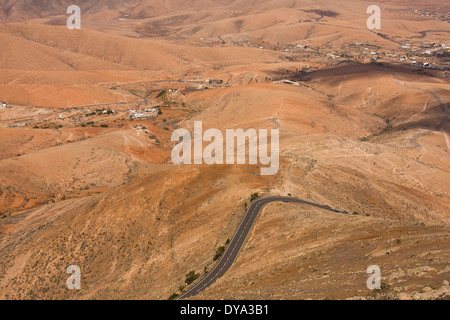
[{"x": 86, "y": 176}]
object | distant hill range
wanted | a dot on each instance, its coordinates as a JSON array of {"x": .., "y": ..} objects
[{"x": 21, "y": 10}]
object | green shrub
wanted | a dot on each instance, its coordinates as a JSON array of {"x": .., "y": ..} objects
[
  {"x": 191, "y": 277},
  {"x": 173, "y": 296},
  {"x": 254, "y": 196},
  {"x": 161, "y": 94},
  {"x": 219, "y": 252}
]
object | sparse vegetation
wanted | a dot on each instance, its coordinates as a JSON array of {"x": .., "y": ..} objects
[
  {"x": 219, "y": 253},
  {"x": 254, "y": 197},
  {"x": 191, "y": 277},
  {"x": 173, "y": 296}
]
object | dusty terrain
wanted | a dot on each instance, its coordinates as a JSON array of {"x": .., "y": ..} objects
[{"x": 363, "y": 128}]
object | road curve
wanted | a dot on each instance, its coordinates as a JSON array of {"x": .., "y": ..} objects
[{"x": 237, "y": 242}]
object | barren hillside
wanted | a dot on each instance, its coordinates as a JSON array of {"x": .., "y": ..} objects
[{"x": 86, "y": 176}]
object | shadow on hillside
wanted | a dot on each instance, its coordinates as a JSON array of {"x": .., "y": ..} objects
[
  {"x": 432, "y": 119},
  {"x": 347, "y": 68}
]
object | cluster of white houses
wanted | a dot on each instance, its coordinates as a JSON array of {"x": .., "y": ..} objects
[{"x": 147, "y": 113}]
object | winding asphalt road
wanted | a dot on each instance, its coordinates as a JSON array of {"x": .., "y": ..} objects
[{"x": 237, "y": 242}]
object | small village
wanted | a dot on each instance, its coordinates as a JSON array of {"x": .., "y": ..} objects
[
  {"x": 420, "y": 53},
  {"x": 152, "y": 103}
]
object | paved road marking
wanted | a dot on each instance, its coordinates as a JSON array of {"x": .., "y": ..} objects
[{"x": 235, "y": 242}]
